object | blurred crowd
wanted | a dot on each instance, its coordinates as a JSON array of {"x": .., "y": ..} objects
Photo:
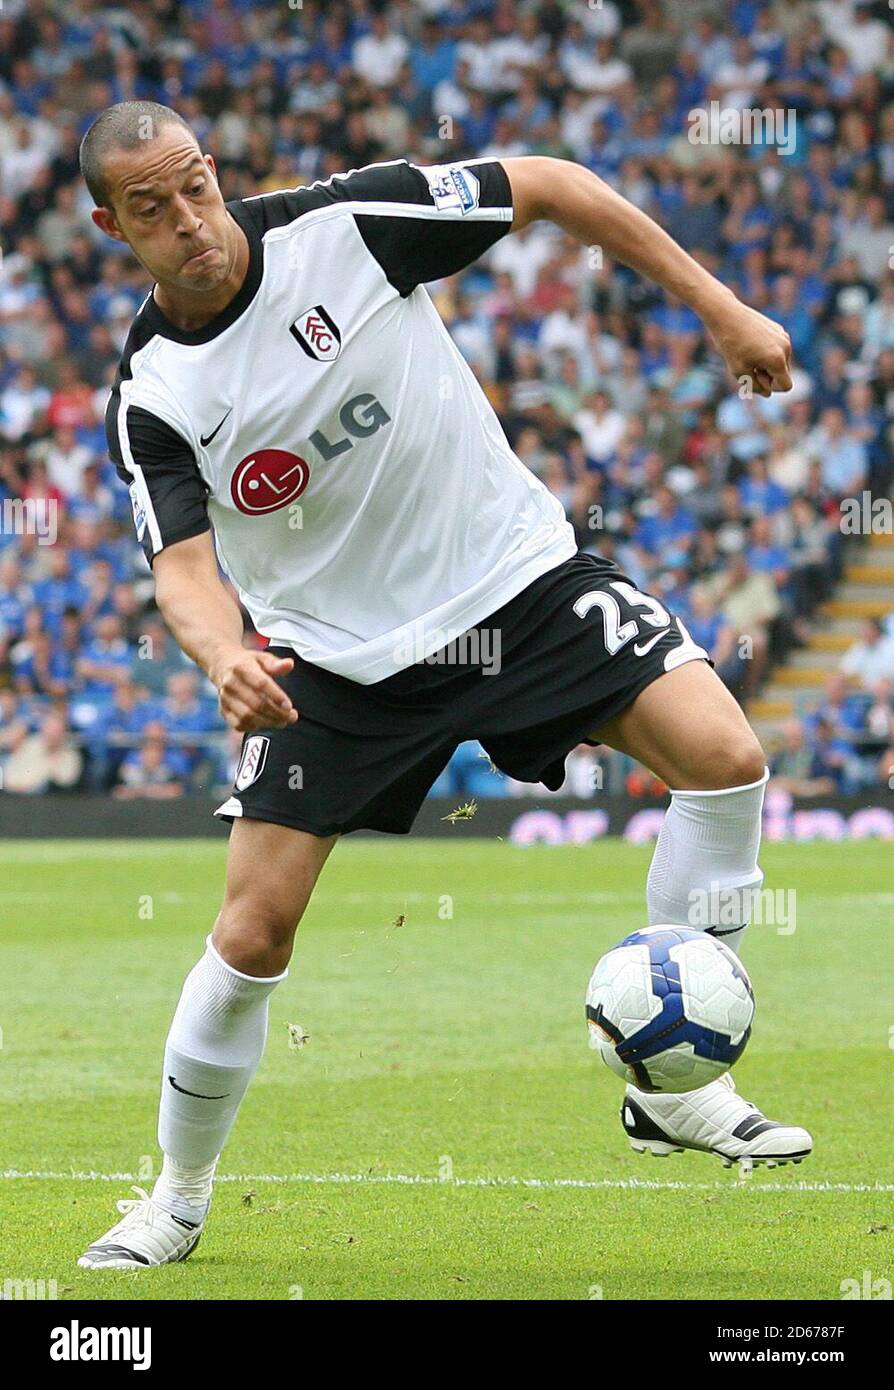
[{"x": 724, "y": 505}]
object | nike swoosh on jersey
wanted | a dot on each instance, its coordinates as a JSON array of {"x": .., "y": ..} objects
[
  {"x": 205, "y": 439},
  {"x": 642, "y": 647}
]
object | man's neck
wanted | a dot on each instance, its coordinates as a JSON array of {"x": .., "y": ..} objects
[{"x": 191, "y": 310}]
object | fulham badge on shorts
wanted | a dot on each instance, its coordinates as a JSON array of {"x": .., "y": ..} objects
[
  {"x": 251, "y": 765},
  {"x": 317, "y": 334}
]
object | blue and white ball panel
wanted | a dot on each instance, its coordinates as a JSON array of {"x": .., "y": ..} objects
[{"x": 625, "y": 977}]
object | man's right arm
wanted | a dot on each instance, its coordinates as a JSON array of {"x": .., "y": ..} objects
[
  {"x": 207, "y": 624},
  {"x": 169, "y": 499}
]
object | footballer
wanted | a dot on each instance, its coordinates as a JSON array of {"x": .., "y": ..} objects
[{"x": 290, "y": 409}]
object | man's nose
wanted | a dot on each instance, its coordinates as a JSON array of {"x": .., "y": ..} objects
[{"x": 185, "y": 219}]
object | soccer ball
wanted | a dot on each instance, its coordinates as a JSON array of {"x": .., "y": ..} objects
[{"x": 669, "y": 1009}]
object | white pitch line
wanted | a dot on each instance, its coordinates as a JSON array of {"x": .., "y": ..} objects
[
  {"x": 324, "y": 898},
  {"x": 321, "y": 899},
  {"x": 421, "y": 1180}
]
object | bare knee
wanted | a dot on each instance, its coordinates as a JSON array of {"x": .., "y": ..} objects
[
  {"x": 256, "y": 926},
  {"x": 729, "y": 758},
  {"x": 255, "y": 935},
  {"x": 687, "y": 728},
  {"x": 746, "y": 760}
]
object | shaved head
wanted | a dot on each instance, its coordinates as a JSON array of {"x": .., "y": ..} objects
[
  {"x": 156, "y": 192},
  {"x": 127, "y": 126}
]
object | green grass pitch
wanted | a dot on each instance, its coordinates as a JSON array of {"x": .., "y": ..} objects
[{"x": 445, "y": 1133}]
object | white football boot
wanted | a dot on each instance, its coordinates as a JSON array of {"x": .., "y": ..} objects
[
  {"x": 148, "y": 1235},
  {"x": 714, "y": 1119}
]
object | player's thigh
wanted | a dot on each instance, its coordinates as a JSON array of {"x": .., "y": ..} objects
[
  {"x": 271, "y": 873},
  {"x": 687, "y": 728}
]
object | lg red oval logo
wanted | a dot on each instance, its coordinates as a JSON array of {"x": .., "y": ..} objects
[{"x": 268, "y": 480}]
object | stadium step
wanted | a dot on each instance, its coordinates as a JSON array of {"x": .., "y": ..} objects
[
  {"x": 767, "y": 710},
  {"x": 837, "y": 642},
  {"x": 817, "y": 658},
  {"x": 849, "y": 627},
  {"x": 858, "y": 607},
  {"x": 867, "y": 592},
  {"x": 812, "y": 676},
  {"x": 767, "y": 730},
  {"x": 870, "y": 574},
  {"x": 866, "y": 588}
]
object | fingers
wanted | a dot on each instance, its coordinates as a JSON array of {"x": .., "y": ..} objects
[
  {"x": 246, "y": 718},
  {"x": 276, "y": 665},
  {"x": 767, "y": 380},
  {"x": 271, "y": 695},
  {"x": 761, "y": 381},
  {"x": 764, "y": 357},
  {"x": 782, "y": 378},
  {"x": 240, "y": 717},
  {"x": 241, "y": 695},
  {"x": 251, "y": 698}
]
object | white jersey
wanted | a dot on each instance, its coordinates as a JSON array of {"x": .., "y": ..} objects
[{"x": 363, "y": 497}]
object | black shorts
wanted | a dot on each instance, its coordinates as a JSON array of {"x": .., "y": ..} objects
[{"x": 530, "y": 682}]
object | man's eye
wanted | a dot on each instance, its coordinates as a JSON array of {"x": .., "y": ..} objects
[
  {"x": 149, "y": 212},
  {"x": 197, "y": 188}
]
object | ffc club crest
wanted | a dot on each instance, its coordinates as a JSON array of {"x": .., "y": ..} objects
[
  {"x": 254, "y": 756},
  {"x": 317, "y": 334}
]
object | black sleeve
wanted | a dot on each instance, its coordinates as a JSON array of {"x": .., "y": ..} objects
[
  {"x": 443, "y": 217},
  {"x": 167, "y": 492},
  {"x": 423, "y": 223}
]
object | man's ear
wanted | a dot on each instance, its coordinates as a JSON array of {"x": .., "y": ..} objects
[
  {"x": 106, "y": 221},
  {"x": 209, "y": 160}
]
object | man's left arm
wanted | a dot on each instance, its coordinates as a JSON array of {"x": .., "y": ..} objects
[{"x": 586, "y": 207}]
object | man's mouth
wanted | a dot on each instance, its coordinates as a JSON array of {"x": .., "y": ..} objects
[{"x": 200, "y": 256}]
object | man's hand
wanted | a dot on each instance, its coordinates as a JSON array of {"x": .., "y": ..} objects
[
  {"x": 753, "y": 346},
  {"x": 249, "y": 695}
]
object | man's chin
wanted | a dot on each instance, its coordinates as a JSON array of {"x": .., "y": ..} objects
[{"x": 203, "y": 276}]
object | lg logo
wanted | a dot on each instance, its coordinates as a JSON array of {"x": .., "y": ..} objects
[
  {"x": 270, "y": 479},
  {"x": 267, "y": 480},
  {"x": 359, "y": 417}
]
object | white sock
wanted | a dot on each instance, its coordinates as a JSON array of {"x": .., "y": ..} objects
[
  {"x": 215, "y": 1043},
  {"x": 704, "y": 871},
  {"x": 184, "y": 1191}
]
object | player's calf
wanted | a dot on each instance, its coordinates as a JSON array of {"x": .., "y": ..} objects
[
  {"x": 704, "y": 874},
  {"x": 216, "y": 1041}
]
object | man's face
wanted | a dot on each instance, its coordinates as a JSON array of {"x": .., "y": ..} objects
[{"x": 166, "y": 205}]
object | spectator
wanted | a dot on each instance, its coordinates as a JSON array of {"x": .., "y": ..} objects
[
  {"x": 872, "y": 658},
  {"x": 601, "y": 427},
  {"x": 840, "y": 454},
  {"x": 760, "y": 494},
  {"x": 808, "y": 540},
  {"x": 106, "y": 659},
  {"x": 379, "y": 55},
  {"x": 23, "y": 405},
  {"x": 800, "y": 768},
  {"x": 148, "y": 772},
  {"x": 65, "y": 460},
  {"x": 750, "y": 603},
  {"x": 46, "y": 761}
]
